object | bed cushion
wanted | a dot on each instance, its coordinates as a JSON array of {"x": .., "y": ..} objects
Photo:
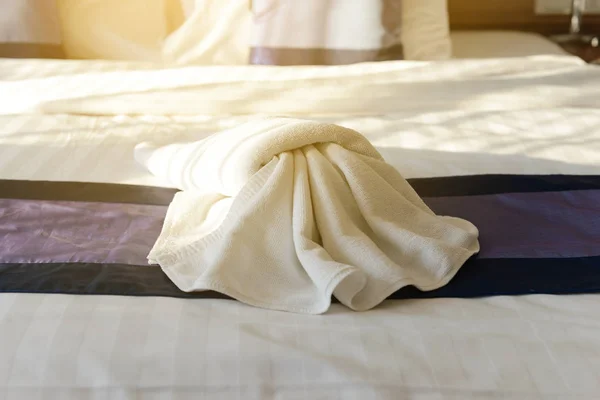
[
  {"x": 29, "y": 29},
  {"x": 314, "y": 32},
  {"x": 425, "y": 30},
  {"x": 215, "y": 32},
  {"x": 500, "y": 44},
  {"x": 118, "y": 30}
]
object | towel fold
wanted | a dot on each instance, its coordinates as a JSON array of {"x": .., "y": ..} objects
[{"x": 283, "y": 213}]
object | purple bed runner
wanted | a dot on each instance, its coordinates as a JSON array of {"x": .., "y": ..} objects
[{"x": 538, "y": 234}]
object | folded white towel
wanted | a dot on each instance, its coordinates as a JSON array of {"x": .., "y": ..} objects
[{"x": 282, "y": 213}]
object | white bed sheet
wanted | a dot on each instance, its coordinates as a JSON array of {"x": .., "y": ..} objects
[{"x": 532, "y": 115}]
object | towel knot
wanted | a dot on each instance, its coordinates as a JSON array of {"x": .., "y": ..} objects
[{"x": 283, "y": 213}]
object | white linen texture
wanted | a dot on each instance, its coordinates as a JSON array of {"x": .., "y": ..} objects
[{"x": 282, "y": 213}]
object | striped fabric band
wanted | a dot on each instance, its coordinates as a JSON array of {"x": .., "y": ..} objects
[
  {"x": 538, "y": 234},
  {"x": 317, "y": 32}
]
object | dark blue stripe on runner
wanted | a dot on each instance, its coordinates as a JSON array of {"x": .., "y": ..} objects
[
  {"x": 496, "y": 184},
  {"x": 425, "y": 187},
  {"x": 86, "y": 191},
  {"x": 517, "y": 276},
  {"x": 477, "y": 278}
]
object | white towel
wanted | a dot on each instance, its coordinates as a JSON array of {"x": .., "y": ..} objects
[{"x": 282, "y": 213}]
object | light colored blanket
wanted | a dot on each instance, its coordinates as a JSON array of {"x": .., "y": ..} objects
[
  {"x": 363, "y": 89},
  {"x": 282, "y": 213}
]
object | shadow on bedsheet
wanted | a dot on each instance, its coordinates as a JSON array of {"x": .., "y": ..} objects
[
  {"x": 416, "y": 163},
  {"x": 97, "y": 163}
]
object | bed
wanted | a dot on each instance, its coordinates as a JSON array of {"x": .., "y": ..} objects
[{"x": 81, "y": 321}]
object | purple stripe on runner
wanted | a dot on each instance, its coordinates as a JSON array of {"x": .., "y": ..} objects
[
  {"x": 530, "y": 225},
  {"x": 513, "y": 225},
  {"x": 34, "y": 231}
]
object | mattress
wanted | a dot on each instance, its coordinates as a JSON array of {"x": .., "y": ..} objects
[{"x": 78, "y": 121}]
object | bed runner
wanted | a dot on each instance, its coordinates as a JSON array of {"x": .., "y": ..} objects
[{"x": 539, "y": 234}]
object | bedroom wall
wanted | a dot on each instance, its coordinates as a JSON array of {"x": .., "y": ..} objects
[{"x": 511, "y": 14}]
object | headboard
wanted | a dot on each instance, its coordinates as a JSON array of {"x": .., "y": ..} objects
[{"x": 512, "y": 15}]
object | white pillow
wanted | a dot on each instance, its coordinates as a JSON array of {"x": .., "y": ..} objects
[
  {"x": 118, "y": 29},
  {"x": 216, "y": 32},
  {"x": 425, "y": 30},
  {"x": 219, "y": 32},
  {"x": 317, "y": 32}
]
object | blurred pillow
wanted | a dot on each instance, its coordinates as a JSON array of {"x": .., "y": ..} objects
[
  {"x": 499, "y": 44},
  {"x": 425, "y": 30},
  {"x": 318, "y": 32},
  {"x": 215, "y": 32},
  {"x": 30, "y": 29},
  {"x": 118, "y": 29}
]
